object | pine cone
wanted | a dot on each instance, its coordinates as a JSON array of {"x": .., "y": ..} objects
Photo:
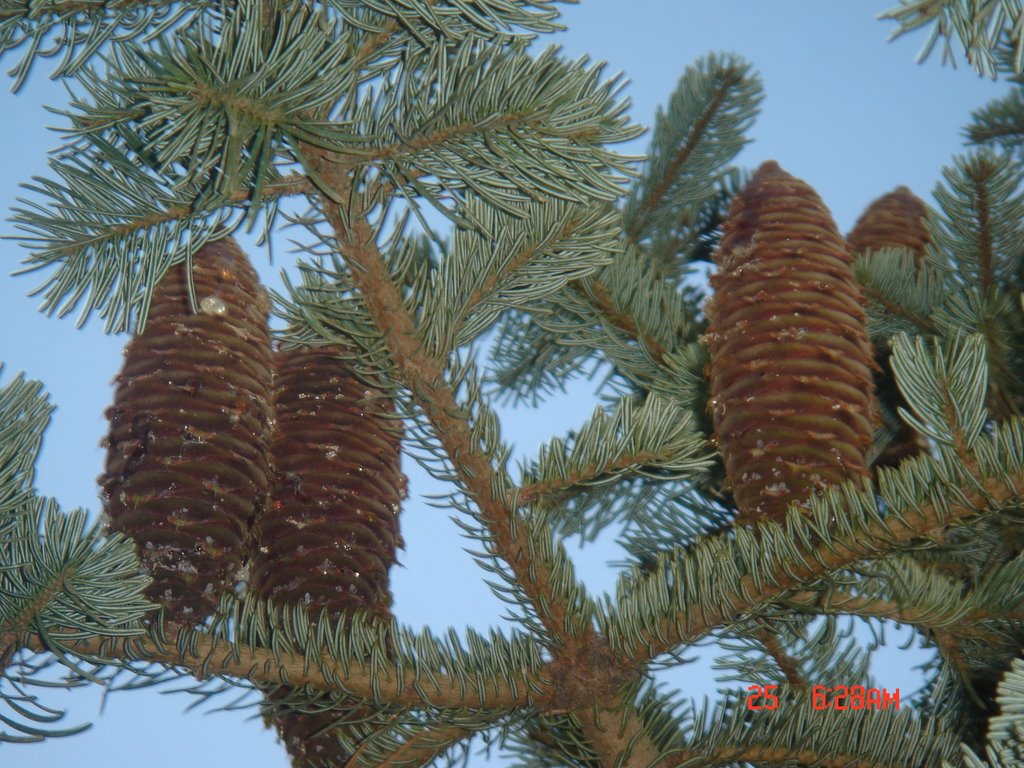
[
  {"x": 893, "y": 220},
  {"x": 187, "y": 468},
  {"x": 331, "y": 533},
  {"x": 791, "y": 361}
]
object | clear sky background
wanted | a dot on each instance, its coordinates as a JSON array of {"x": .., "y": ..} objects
[{"x": 848, "y": 112}]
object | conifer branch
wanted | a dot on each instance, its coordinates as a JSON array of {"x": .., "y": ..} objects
[
  {"x": 59, "y": 8},
  {"x": 729, "y": 79},
  {"x": 789, "y": 666},
  {"x": 768, "y": 756},
  {"x": 206, "y": 656},
  {"x": 595, "y": 293},
  {"x": 423, "y": 375},
  {"x": 986, "y": 257},
  {"x": 1000, "y": 122},
  {"x": 925, "y": 519},
  {"x": 840, "y": 602},
  {"x": 947, "y": 632},
  {"x": 582, "y": 653},
  {"x": 421, "y": 748},
  {"x": 286, "y": 186},
  {"x": 872, "y": 294},
  {"x": 618, "y": 735},
  {"x": 528, "y": 493},
  {"x": 976, "y": 29}
]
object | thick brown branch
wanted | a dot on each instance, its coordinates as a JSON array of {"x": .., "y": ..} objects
[
  {"x": 582, "y": 652},
  {"x": 790, "y": 666},
  {"x": 424, "y": 377},
  {"x": 618, "y": 736},
  {"x": 209, "y": 657},
  {"x": 768, "y": 756}
]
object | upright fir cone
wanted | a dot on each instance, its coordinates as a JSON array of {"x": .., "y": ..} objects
[
  {"x": 331, "y": 533},
  {"x": 791, "y": 362},
  {"x": 187, "y": 469},
  {"x": 893, "y": 220}
]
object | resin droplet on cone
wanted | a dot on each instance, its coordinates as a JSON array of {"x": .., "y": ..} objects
[
  {"x": 791, "y": 362},
  {"x": 187, "y": 466},
  {"x": 331, "y": 532},
  {"x": 894, "y": 220}
]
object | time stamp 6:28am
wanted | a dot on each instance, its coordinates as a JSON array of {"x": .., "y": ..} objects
[{"x": 838, "y": 697}]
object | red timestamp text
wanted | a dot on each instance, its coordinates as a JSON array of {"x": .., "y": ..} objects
[
  {"x": 840, "y": 698},
  {"x": 855, "y": 697}
]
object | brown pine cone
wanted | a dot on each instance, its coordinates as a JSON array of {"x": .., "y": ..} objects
[
  {"x": 791, "y": 362},
  {"x": 187, "y": 468},
  {"x": 893, "y": 220},
  {"x": 331, "y": 533}
]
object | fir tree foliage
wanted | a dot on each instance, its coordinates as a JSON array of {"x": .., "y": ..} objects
[
  {"x": 694, "y": 138},
  {"x": 1005, "y": 745},
  {"x": 60, "y": 579},
  {"x": 956, "y": 354},
  {"x": 439, "y": 104},
  {"x": 93, "y": 249},
  {"x": 976, "y": 29},
  {"x": 24, "y": 413},
  {"x": 1000, "y": 123},
  {"x": 638, "y": 310},
  {"x": 509, "y": 260},
  {"x": 981, "y": 207},
  {"x": 502, "y": 109},
  {"x": 76, "y": 32},
  {"x": 953, "y": 384},
  {"x": 970, "y": 280},
  {"x": 215, "y": 103}
]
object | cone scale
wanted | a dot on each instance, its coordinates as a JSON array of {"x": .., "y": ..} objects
[
  {"x": 791, "y": 362},
  {"x": 187, "y": 469},
  {"x": 331, "y": 533}
]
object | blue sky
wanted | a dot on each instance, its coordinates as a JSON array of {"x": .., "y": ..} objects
[{"x": 850, "y": 113}]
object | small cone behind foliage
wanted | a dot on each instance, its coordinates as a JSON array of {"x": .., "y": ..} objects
[
  {"x": 790, "y": 357},
  {"x": 187, "y": 468},
  {"x": 895, "y": 220},
  {"x": 331, "y": 532},
  {"x": 892, "y": 221}
]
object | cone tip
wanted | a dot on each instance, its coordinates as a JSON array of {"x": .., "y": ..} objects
[{"x": 770, "y": 169}]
